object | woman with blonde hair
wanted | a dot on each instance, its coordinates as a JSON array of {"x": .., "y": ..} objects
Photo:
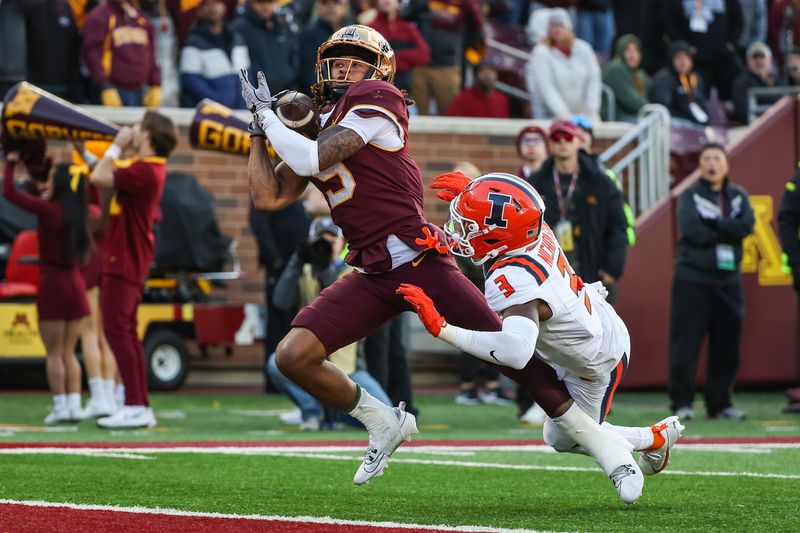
[{"x": 563, "y": 74}]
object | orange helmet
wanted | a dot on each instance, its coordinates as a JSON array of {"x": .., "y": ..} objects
[
  {"x": 495, "y": 214},
  {"x": 354, "y": 43}
]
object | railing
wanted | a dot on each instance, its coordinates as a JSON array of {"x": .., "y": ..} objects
[
  {"x": 759, "y": 99},
  {"x": 640, "y": 158}
]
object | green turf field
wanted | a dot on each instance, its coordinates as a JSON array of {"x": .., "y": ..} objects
[{"x": 743, "y": 487}]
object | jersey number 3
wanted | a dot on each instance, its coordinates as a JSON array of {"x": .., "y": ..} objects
[{"x": 504, "y": 286}]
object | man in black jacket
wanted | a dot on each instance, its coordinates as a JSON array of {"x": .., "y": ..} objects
[
  {"x": 272, "y": 42},
  {"x": 330, "y": 15},
  {"x": 759, "y": 73},
  {"x": 714, "y": 217},
  {"x": 584, "y": 208}
]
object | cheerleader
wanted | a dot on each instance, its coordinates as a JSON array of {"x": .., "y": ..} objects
[{"x": 64, "y": 243}]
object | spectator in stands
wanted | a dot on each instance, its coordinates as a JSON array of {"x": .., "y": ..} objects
[
  {"x": 679, "y": 88},
  {"x": 531, "y": 143},
  {"x": 714, "y": 216},
  {"x": 789, "y": 229},
  {"x": 330, "y": 17},
  {"x": 712, "y": 30},
  {"x": 166, "y": 50},
  {"x": 759, "y": 73},
  {"x": 212, "y": 59},
  {"x": 784, "y": 27},
  {"x": 563, "y": 74},
  {"x": 271, "y": 42},
  {"x": 449, "y": 27},
  {"x": 120, "y": 52},
  {"x": 410, "y": 48},
  {"x": 630, "y": 16},
  {"x": 184, "y": 13},
  {"x": 129, "y": 250},
  {"x": 61, "y": 305},
  {"x": 654, "y": 36},
  {"x": 482, "y": 99},
  {"x": 626, "y": 78},
  {"x": 594, "y": 23},
  {"x": 586, "y": 136},
  {"x": 791, "y": 69},
  {"x": 13, "y": 46},
  {"x": 277, "y": 234},
  {"x": 584, "y": 208},
  {"x": 54, "y": 48},
  {"x": 754, "y": 24},
  {"x": 315, "y": 265}
]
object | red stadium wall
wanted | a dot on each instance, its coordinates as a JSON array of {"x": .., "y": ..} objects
[{"x": 761, "y": 161}]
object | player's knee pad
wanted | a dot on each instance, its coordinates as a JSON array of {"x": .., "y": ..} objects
[{"x": 555, "y": 438}]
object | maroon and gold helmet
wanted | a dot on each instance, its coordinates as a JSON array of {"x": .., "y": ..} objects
[{"x": 356, "y": 44}]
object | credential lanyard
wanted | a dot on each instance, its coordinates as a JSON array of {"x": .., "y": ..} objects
[{"x": 562, "y": 205}]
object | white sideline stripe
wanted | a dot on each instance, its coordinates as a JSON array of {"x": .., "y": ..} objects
[
  {"x": 310, "y": 453},
  {"x": 270, "y": 518},
  {"x": 549, "y": 468}
]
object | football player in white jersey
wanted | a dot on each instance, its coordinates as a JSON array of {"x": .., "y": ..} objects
[{"x": 497, "y": 221}]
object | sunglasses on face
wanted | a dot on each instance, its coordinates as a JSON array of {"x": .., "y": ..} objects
[{"x": 561, "y": 136}]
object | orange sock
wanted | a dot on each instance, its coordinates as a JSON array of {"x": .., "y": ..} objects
[{"x": 658, "y": 438}]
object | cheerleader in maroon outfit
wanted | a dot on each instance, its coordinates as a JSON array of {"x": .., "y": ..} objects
[
  {"x": 64, "y": 242},
  {"x": 101, "y": 369}
]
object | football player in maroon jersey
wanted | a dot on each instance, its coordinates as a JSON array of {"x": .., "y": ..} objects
[{"x": 361, "y": 163}]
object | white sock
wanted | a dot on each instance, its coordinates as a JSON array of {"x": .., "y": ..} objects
[
  {"x": 110, "y": 386},
  {"x": 640, "y": 438},
  {"x": 59, "y": 402},
  {"x": 74, "y": 400},
  {"x": 368, "y": 410},
  {"x": 97, "y": 389},
  {"x": 584, "y": 430},
  {"x": 120, "y": 394}
]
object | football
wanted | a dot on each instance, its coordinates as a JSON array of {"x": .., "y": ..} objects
[{"x": 298, "y": 112}]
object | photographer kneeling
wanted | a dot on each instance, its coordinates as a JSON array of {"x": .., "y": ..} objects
[{"x": 315, "y": 265}]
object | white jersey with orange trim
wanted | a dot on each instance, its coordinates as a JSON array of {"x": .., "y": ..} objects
[{"x": 585, "y": 336}]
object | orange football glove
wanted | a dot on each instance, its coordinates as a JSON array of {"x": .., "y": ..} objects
[
  {"x": 431, "y": 242},
  {"x": 423, "y": 306},
  {"x": 451, "y": 185}
]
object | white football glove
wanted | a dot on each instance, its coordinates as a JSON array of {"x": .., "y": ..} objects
[
  {"x": 256, "y": 98},
  {"x": 600, "y": 288}
]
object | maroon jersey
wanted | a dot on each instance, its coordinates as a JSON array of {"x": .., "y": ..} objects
[
  {"x": 129, "y": 244},
  {"x": 375, "y": 192}
]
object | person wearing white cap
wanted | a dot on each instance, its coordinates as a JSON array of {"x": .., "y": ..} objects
[
  {"x": 563, "y": 75},
  {"x": 759, "y": 73}
]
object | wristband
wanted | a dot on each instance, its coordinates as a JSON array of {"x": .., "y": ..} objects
[
  {"x": 113, "y": 152},
  {"x": 89, "y": 158}
]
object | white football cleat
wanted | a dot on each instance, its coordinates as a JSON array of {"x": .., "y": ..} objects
[
  {"x": 97, "y": 408},
  {"x": 129, "y": 417},
  {"x": 397, "y": 427},
  {"x": 56, "y": 416},
  {"x": 654, "y": 461}
]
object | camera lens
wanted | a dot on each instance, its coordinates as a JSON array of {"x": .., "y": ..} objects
[{"x": 321, "y": 250}]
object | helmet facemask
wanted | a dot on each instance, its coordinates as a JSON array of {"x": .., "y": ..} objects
[{"x": 461, "y": 231}]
